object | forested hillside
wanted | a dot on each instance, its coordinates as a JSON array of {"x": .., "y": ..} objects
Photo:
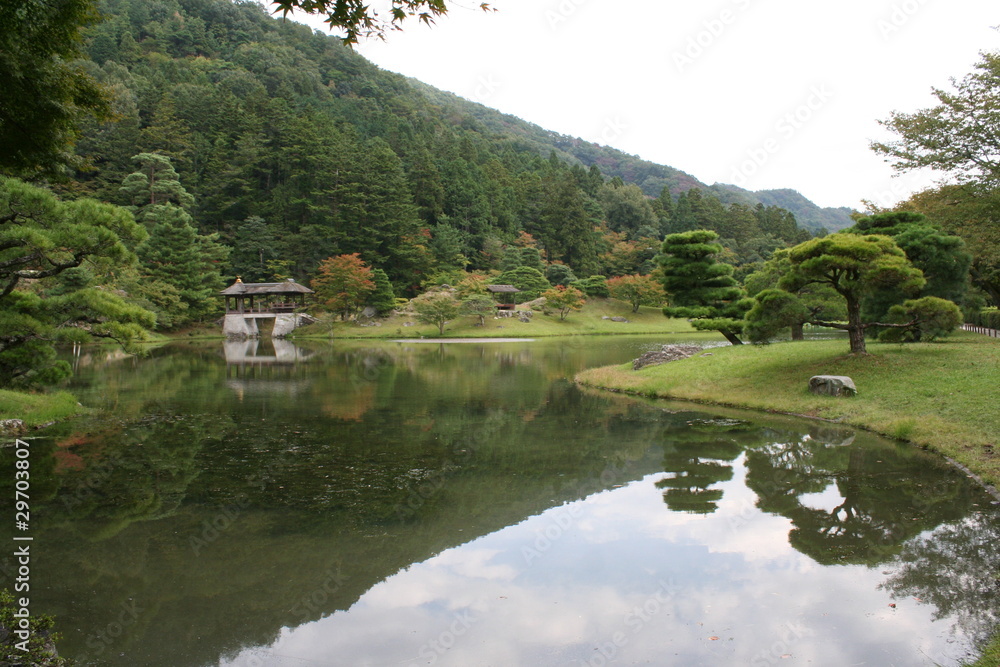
[
  {"x": 649, "y": 176},
  {"x": 291, "y": 148}
]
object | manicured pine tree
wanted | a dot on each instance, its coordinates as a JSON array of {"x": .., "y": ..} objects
[{"x": 701, "y": 288}]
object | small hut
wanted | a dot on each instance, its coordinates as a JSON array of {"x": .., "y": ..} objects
[
  {"x": 283, "y": 297},
  {"x": 504, "y": 294}
]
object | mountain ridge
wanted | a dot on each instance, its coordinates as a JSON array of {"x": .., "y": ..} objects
[{"x": 648, "y": 175}]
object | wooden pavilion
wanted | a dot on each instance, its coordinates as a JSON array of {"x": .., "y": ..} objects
[
  {"x": 283, "y": 297},
  {"x": 504, "y": 295},
  {"x": 248, "y": 302}
]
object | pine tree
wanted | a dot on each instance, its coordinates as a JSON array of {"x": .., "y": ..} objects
[
  {"x": 701, "y": 288},
  {"x": 383, "y": 299},
  {"x": 178, "y": 255}
]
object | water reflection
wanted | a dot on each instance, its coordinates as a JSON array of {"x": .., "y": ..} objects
[{"x": 468, "y": 505}]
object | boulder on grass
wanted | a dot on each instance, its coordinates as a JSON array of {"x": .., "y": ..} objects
[
  {"x": 665, "y": 354},
  {"x": 832, "y": 385}
]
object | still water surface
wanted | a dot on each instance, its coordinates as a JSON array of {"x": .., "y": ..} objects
[{"x": 466, "y": 504}]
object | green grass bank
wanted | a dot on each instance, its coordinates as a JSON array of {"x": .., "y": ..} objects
[
  {"x": 587, "y": 321},
  {"x": 36, "y": 409}
]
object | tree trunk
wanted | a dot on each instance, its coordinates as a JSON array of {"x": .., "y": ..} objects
[
  {"x": 797, "y": 333},
  {"x": 855, "y": 329},
  {"x": 731, "y": 337}
]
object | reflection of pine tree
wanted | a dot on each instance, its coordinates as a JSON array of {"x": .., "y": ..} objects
[
  {"x": 699, "y": 459},
  {"x": 887, "y": 496}
]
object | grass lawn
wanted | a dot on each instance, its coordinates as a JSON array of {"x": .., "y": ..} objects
[
  {"x": 38, "y": 409},
  {"x": 936, "y": 395},
  {"x": 587, "y": 321}
]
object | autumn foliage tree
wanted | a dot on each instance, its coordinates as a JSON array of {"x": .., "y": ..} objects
[
  {"x": 637, "y": 290},
  {"x": 564, "y": 299},
  {"x": 344, "y": 283}
]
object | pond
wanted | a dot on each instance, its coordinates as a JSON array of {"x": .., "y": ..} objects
[{"x": 391, "y": 503}]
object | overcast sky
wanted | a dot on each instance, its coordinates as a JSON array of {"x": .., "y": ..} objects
[{"x": 761, "y": 93}]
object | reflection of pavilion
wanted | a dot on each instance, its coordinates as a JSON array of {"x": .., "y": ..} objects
[
  {"x": 278, "y": 373},
  {"x": 244, "y": 352}
]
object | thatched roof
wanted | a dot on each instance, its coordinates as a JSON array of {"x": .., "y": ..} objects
[
  {"x": 502, "y": 289},
  {"x": 240, "y": 288}
]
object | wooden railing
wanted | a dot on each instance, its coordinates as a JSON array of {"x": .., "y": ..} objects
[{"x": 993, "y": 333}]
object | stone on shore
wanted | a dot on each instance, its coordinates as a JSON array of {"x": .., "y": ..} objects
[
  {"x": 665, "y": 354},
  {"x": 832, "y": 385}
]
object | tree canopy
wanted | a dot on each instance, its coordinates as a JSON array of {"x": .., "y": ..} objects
[
  {"x": 853, "y": 266},
  {"x": 357, "y": 19},
  {"x": 45, "y": 90},
  {"x": 50, "y": 251},
  {"x": 701, "y": 288}
]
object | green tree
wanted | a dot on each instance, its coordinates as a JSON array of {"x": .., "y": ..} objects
[
  {"x": 479, "y": 306},
  {"x": 45, "y": 90},
  {"x": 559, "y": 274},
  {"x": 593, "y": 286},
  {"x": 344, "y": 283},
  {"x": 958, "y": 136},
  {"x": 37, "y": 647},
  {"x": 627, "y": 209},
  {"x": 253, "y": 247},
  {"x": 176, "y": 254},
  {"x": 701, "y": 288},
  {"x": 776, "y": 309},
  {"x": 971, "y": 213},
  {"x": 637, "y": 290},
  {"x": 530, "y": 281},
  {"x": 929, "y": 318},
  {"x": 564, "y": 299},
  {"x": 156, "y": 182},
  {"x": 357, "y": 19},
  {"x": 42, "y": 237},
  {"x": 382, "y": 298},
  {"x": 941, "y": 257},
  {"x": 853, "y": 266},
  {"x": 437, "y": 308}
]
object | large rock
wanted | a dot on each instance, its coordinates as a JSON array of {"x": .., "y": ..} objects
[
  {"x": 832, "y": 385},
  {"x": 665, "y": 354}
]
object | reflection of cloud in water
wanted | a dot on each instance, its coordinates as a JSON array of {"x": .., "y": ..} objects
[{"x": 730, "y": 575}]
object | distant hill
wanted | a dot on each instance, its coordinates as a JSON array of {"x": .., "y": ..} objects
[{"x": 809, "y": 215}]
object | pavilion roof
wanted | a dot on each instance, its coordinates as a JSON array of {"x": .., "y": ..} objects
[
  {"x": 504, "y": 289},
  {"x": 289, "y": 286}
]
